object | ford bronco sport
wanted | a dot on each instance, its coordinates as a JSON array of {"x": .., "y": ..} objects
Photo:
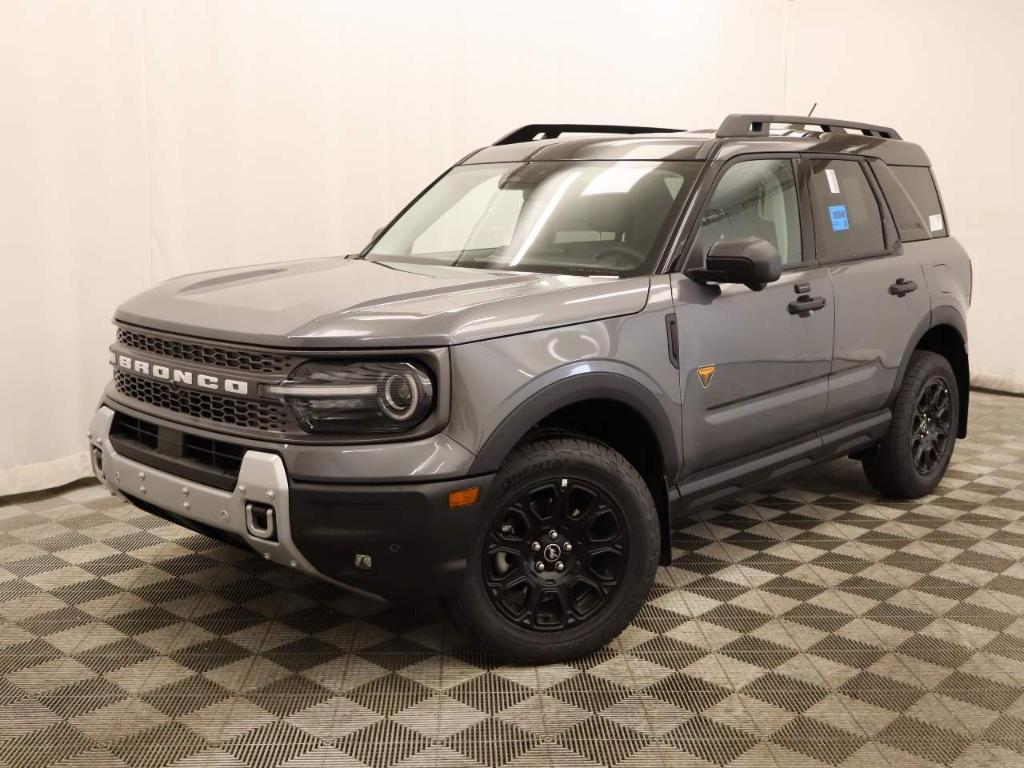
[{"x": 565, "y": 343}]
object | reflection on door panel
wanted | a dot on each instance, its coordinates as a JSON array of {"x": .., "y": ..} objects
[
  {"x": 771, "y": 367},
  {"x": 873, "y": 328}
]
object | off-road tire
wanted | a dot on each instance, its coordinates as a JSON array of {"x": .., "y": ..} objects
[
  {"x": 891, "y": 468},
  {"x": 555, "y": 459}
]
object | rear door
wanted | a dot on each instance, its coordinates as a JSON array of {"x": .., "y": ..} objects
[
  {"x": 754, "y": 367},
  {"x": 880, "y": 293}
]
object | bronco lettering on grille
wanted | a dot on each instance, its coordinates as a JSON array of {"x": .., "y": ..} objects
[{"x": 179, "y": 375}]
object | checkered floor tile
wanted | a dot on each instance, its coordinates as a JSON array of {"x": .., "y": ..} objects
[{"x": 810, "y": 624}]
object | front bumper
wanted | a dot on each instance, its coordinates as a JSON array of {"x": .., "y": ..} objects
[{"x": 397, "y": 541}]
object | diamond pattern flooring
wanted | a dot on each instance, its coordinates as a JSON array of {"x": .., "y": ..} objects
[{"x": 808, "y": 624}]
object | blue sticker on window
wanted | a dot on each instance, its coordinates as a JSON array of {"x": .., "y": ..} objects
[{"x": 840, "y": 221}]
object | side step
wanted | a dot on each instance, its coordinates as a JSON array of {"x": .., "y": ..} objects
[{"x": 720, "y": 483}]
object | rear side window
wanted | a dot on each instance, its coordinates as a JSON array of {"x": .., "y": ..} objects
[
  {"x": 847, "y": 220},
  {"x": 918, "y": 190},
  {"x": 909, "y": 221}
]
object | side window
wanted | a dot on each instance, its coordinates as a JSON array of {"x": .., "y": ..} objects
[
  {"x": 847, "y": 220},
  {"x": 909, "y": 221},
  {"x": 919, "y": 185},
  {"x": 755, "y": 198}
]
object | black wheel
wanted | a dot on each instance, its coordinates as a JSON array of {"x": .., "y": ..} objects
[
  {"x": 914, "y": 455},
  {"x": 566, "y": 556}
]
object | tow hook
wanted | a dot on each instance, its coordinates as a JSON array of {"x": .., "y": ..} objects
[{"x": 259, "y": 520}]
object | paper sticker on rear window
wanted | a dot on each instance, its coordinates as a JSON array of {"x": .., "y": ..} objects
[
  {"x": 833, "y": 182},
  {"x": 935, "y": 222},
  {"x": 840, "y": 221}
]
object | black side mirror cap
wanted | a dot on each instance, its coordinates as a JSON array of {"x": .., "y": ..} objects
[{"x": 749, "y": 261}]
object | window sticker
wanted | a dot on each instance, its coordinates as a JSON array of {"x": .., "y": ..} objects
[
  {"x": 833, "y": 182},
  {"x": 840, "y": 221},
  {"x": 935, "y": 222}
]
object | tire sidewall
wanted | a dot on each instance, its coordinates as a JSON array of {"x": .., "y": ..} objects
[{"x": 934, "y": 366}]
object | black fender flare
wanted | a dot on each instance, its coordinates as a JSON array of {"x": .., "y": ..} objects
[
  {"x": 923, "y": 326},
  {"x": 599, "y": 385},
  {"x": 947, "y": 315}
]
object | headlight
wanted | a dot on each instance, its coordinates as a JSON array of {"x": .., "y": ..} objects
[{"x": 357, "y": 398}]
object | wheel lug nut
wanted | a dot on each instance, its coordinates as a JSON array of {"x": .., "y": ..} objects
[
  {"x": 559, "y": 566},
  {"x": 552, "y": 534},
  {"x": 539, "y": 566},
  {"x": 535, "y": 546},
  {"x": 567, "y": 547}
]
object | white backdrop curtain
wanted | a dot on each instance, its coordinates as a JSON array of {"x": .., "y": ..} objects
[{"x": 141, "y": 139}]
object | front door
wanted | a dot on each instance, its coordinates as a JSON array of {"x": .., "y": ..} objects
[
  {"x": 881, "y": 297},
  {"x": 754, "y": 364}
]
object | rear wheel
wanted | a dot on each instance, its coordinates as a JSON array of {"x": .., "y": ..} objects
[
  {"x": 566, "y": 556},
  {"x": 912, "y": 458}
]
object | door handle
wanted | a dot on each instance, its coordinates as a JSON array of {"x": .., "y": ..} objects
[
  {"x": 805, "y": 305},
  {"x": 902, "y": 287}
]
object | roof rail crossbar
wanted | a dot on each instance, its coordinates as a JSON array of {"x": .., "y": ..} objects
[
  {"x": 735, "y": 126},
  {"x": 554, "y": 130}
]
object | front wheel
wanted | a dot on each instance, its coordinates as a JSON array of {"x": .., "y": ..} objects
[
  {"x": 566, "y": 555},
  {"x": 912, "y": 458}
]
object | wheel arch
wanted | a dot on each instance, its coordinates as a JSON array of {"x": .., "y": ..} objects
[
  {"x": 945, "y": 335},
  {"x": 607, "y": 407}
]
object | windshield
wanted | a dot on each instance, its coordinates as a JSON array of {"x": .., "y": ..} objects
[{"x": 581, "y": 217}]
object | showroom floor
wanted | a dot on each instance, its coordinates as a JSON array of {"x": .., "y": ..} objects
[{"x": 805, "y": 625}]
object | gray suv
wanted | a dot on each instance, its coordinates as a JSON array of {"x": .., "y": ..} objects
[{"x": 570, "y": 340}]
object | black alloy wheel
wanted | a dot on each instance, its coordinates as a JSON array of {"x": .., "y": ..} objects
[
  {"x": 930, "y": 429},
  {"x": 555, "y": 555},
  {"x": 910, "y": 460},
  {"x": 568, "y": 543}
]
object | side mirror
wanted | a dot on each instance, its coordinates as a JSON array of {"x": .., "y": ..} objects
[{"x": 750, "y": 261}]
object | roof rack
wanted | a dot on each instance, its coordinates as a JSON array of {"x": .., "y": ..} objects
[
  {"x": 735, "y": 126},
  {"x": 554, "y": 130}
]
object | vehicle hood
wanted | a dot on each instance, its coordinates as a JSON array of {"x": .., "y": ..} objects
[{"x": 337, "y": 302}]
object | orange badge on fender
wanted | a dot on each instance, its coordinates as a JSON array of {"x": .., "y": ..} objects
[{"x": 705, "y": 372}]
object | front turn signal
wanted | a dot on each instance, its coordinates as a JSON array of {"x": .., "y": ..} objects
[{"x": 464, "y": 498}]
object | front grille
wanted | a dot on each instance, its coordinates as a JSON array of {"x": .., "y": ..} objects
[
  {"x": 206, "y": 354},
  {"x": 202, "y": 459},
  {"x": 226, "y": 457},
  {"x": 232, "y": 411},
  {"x": 140, "y": 431}
]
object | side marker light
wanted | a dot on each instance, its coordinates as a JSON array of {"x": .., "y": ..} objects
[{"x": 464, "y": 498}]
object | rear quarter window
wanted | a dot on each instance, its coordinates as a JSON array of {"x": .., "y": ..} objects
[{"x": 913, "y": 199}]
